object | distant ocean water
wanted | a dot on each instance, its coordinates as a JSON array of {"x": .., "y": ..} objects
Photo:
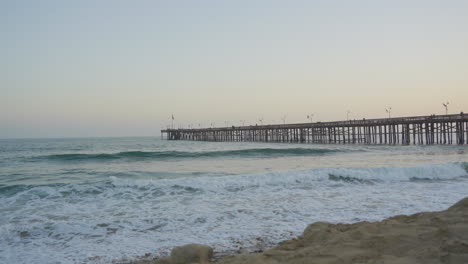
[{"x": 95, "y": 200}]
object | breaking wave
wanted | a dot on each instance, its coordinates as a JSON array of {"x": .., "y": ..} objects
[{"x": 127, "y": 217}]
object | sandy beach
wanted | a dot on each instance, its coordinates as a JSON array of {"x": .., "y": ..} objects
[{"x": 429, "y": 237}]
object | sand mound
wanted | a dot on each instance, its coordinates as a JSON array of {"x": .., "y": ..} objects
[{"x": 434, "y": 237}]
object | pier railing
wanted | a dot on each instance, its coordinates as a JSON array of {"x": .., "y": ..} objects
[{"x": 433, "y": 129}]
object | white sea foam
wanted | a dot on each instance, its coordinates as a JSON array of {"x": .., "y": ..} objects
[
  {"x": 385, "y": 174},
  {"x": 125, "y": 218}
]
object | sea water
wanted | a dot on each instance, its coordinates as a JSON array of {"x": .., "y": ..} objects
[{"x": 99, "y": 200}]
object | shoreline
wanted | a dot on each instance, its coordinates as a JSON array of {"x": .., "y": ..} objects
[{"x": 426, "y": 237}]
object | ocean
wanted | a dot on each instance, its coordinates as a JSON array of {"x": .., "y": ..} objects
[{"x": 104, "y": 200}]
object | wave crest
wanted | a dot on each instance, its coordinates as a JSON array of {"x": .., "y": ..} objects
[{"x": 247, "y": 153}]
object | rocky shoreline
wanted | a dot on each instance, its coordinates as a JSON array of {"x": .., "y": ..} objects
[{"x": 430, "y": 237}]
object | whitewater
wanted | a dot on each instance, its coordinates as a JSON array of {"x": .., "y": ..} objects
[{"x": 103, "y": 200}]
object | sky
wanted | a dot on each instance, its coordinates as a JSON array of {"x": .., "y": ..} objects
[{"x": 123, "y": 68}]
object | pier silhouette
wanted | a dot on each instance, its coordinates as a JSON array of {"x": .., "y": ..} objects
[{"x": 432, "y": 129}]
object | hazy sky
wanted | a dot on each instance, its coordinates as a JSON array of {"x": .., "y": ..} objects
[{"x": 122, "y": 68}]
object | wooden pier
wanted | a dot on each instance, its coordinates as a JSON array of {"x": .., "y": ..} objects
[{"x": 433, "y": 129}]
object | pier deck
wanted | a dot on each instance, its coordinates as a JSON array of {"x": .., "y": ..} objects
[{"x": 433, "y": 129}]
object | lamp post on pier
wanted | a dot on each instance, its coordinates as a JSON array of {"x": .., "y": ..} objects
[
  {"x": 284, "y": 119},
  {"x": 261, "y": 120},
  {"x": 446, "y": 107},
  {"x": 389, "y": 111}
]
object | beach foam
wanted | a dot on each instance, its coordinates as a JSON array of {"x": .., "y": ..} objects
[{"x": 124, "y": 217}]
